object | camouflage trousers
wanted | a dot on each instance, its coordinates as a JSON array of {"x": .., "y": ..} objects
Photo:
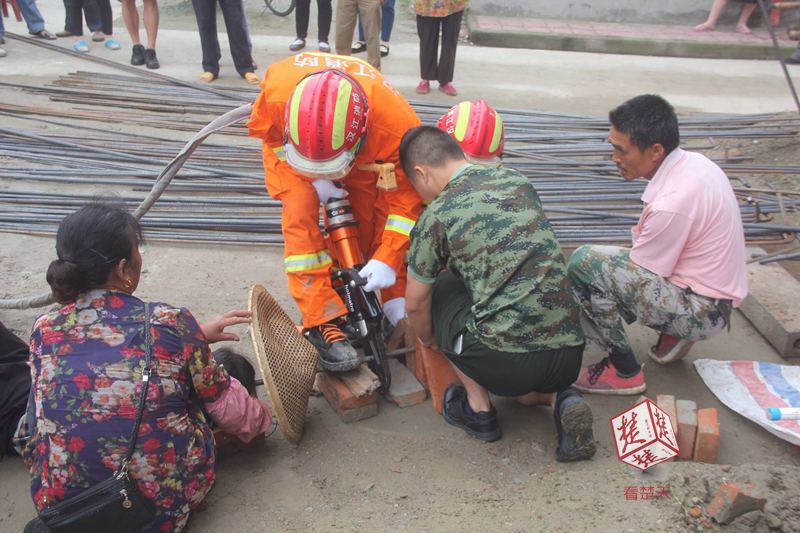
[{"x": 611, "y": 288}]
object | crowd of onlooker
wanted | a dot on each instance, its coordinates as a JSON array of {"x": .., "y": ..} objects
[
  {"x": 437, "y": 20},
  {"x": 373, "y": 18}
]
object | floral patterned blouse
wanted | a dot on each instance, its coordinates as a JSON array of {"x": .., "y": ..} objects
[
  {"x": 439, "y": 8},
  {"x": 86, "y": 365}
]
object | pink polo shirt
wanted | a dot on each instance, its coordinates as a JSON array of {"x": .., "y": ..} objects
[{"x": 690, "y": 230}]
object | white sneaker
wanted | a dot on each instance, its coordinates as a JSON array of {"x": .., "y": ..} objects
[
  {"x": 324, "y": 47},
  {"x": 297, "y": 44},
  {"x": 3, "y": 52}
]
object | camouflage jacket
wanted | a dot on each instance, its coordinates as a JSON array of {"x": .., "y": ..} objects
[{"x": 488, "y": 228}]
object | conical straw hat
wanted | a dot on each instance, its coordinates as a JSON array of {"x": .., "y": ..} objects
[{"x": 287, "y": 361}]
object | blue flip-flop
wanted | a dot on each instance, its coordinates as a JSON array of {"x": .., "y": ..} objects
[
  {"x": 81, "y": 47},
  {"x": 112, "y": 44}
]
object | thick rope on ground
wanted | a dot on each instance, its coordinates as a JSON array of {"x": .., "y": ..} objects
[{"x": 162, "y": 182}]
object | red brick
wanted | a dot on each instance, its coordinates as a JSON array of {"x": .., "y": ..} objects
[
  {"x": 439, "y": 373},
  {"x": 707, "y": 442},
  {"x": 732, "y": 500},
  {"x": 687, "y": 427},
  {"x": 347, "y": 405}
]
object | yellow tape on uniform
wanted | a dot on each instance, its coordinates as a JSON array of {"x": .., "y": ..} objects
[
  {"x": 303, "y": 262},
  {"x": 399, "y": 224}
]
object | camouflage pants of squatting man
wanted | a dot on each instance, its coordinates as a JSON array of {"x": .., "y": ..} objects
[{"x": 610, "y": 287}]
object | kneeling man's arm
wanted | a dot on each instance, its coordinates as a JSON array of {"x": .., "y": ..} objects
[{"x": 419, "y": 297}]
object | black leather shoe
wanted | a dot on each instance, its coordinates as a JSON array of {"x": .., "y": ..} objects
[
  {"x": 335, "y": 353},
  {"x": 483, "y": 425},
  {"x": 573, "y": 418},
  {"x": 150, "y": 59},
  {"x": 137, "y": 55}
]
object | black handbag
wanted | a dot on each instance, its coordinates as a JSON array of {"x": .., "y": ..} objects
[{"x": 116, "y": 503}]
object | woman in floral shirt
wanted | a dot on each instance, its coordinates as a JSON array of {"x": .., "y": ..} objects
[{"x": 87, "y": 357}]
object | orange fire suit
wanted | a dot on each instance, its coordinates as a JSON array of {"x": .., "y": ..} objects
[{"x": 385, "y": 217}]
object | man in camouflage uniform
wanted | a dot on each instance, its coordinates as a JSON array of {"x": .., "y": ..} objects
[
  {"x": 686, "y": 268},
  {"x": 502, "y": 311}
]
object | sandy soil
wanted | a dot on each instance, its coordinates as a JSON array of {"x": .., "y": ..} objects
[{"x": 406, "y": 469}]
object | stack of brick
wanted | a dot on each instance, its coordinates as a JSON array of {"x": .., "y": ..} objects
[
  {"x": 697, "y": 430},
  {"x": 353, "y": 395}
]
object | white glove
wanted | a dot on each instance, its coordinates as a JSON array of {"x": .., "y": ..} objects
[
  {"x": 395, "y": 310},
  {"x": 379, "y": 275},
  {"x": 327, "y": 190}
]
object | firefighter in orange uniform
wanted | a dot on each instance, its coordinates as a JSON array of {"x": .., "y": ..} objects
[{"x": 322, "y": 118}]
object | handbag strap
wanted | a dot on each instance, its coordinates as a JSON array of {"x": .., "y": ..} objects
[{"x": 146, "y": 380}]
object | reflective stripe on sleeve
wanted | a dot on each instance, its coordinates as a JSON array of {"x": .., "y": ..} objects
[
  {"x": 279, "y": 152},
  {"x": 303, "y": 262},
  {"x": 401, "y": 225}
]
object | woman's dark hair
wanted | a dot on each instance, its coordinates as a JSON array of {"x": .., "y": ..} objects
[
  {"x": 647, "y": 119},
  {"x": 238, "y": 367},
  {"x": 89, "y": 244}
]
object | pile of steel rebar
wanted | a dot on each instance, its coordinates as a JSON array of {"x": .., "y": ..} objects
[{"x": 107, "y": 135}]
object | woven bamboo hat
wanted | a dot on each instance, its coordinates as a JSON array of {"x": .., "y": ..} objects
[{"x": 287, "y": 361}]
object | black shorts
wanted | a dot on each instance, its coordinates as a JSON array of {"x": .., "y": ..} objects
[{"x": 501, "y": 373}]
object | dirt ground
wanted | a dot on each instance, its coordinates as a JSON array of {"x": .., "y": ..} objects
[{"x": 405, "y": 469}]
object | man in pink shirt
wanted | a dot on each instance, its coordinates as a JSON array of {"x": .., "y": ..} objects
[{"x": 686, "y": 269}]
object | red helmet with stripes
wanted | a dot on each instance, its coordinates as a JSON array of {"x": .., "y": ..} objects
[
  {"x": 477, "y": 128},
  {"x": 326, "y": 124}
]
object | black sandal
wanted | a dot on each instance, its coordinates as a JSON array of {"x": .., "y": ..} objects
[
  {"x": 358, "y": 47},
  {"x": 384, "y": 50},
  {"x": 44, "y": 34}
]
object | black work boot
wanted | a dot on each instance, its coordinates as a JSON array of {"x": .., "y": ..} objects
[
  {"x": 150, "y": 59},
  {"x": 137, "y": 56},
  {"x": 573, "y": 418},
  {"x": 335, "y": 353},
  {"x": 457, "y": 412}
]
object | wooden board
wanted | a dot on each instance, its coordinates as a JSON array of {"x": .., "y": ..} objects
[{"x": 362, "y": 381}]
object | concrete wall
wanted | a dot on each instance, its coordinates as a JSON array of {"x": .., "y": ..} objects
[{"x": 666, "y": 11}]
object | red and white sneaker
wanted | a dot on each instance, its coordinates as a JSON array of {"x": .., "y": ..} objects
[
  {"x": 669, "y": 349},
  {"x": 602, "y": 378}
]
